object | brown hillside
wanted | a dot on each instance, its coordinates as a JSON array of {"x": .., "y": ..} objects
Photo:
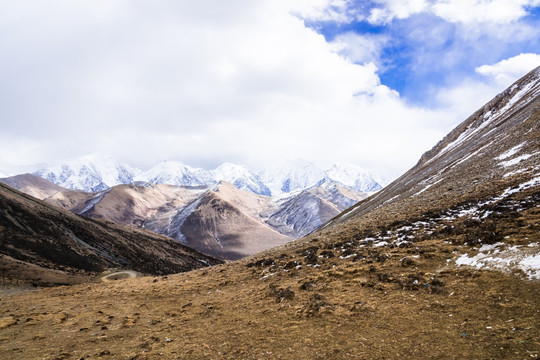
[
  {"x": 32, "y": 185},
  {"x": 51, "y": 242}
]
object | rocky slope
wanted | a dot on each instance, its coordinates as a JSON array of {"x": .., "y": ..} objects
[
  {"x": 218, "y": 227},
  {"x": 302, "y": 213},
  {"x": 43, "y": 244},
  {"x": 483, "y": 160},
  {"x": 441, "y": 264}
]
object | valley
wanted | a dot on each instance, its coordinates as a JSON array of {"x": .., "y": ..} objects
[{"x": 441, "y": 263}]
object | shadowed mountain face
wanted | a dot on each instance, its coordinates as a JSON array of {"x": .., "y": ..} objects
[
  {"x": 133, "y": 205},
  {"x": 299, "y": 215},
  {"x": 39, "y": 234},
  {"x": 219, "y": 228},
  {"x": 442, "y": 264},
  {"x": 223, "y": 221}
]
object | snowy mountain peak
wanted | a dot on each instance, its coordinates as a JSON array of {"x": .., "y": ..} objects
[
  {"x": 241, "y": 177},
  {"x": 93, "y": 172},
  {"x": 176, "y": 173},
  {"x": 98, "y": 172},
  {"x": 291, "y": 175},
  {"x": 354, "y": 177},
  {"x": 227, "y": 171}
]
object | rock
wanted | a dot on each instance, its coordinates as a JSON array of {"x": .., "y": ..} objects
[
  {"x": 7, "y": 322},
  {"x": 281, "y": 294},
  {"x": 408, "y": 262}
]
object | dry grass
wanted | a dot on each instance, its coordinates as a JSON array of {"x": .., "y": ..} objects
[{"x": 374, "y": 305}]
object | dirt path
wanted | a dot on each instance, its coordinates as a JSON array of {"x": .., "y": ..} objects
[{"x": 126, "y": 274}]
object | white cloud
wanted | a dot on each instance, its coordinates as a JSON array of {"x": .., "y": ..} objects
[
  {"x": 456, "y": 11},
  {"x": 508, "y": 70},
  {"x": 360, "y": 49},
  {"x": 202, "y": 82},
  {"x": 342, "y": 11},
  {"x": 471, "y": 93},
  {"x": 479, "y": 11},
  {"x": 395, "y": 9}
]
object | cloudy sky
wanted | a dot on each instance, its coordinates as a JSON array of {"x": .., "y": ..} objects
[{"x": 372, "y": 83}]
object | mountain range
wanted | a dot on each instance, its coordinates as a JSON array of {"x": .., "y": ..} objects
[
  {"x": 97, "y": 172},
  {"x": 89, "y": 173},
  {"x": 227, "y": 212},
  {"x": 443, "y": 263},
  {"x": 220, "y": 220}
]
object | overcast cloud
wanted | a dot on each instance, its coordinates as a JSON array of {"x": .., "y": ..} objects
[{"x": 252, "y": 82}]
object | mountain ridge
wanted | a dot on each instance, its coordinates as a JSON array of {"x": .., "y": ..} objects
[
  {"x": 504, "y": 112},
  {"x": 96, "y": 172}
]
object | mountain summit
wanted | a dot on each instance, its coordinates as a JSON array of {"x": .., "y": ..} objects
[
  {"x": 291, "y": 175},
  {"x": 175, "y": 173},
  {"x": 241, "y": 177},
  {"x": 353, "y": 177},
  {"x": 301, "y": 174},
  {"x": 89, "y": 173}
]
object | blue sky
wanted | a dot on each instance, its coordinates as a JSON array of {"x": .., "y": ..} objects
[
  {"x": 372, "y": 83},
  {"x": 412, "y": 59}
]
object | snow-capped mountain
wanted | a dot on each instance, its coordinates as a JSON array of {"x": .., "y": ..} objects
[
  {"x": 291, "y": 175},
  {"x": 176, "y": 173},
  {"x": 2, "y": 175},
  {"x": 353, "y": 177},
  {"x": 241, "y": 177},
  {"x": 301, "y": 174},
  {"x": 303, "y": 211},
  {"x": 91, "y": 173},
  {"x": 98, "y": 172}
]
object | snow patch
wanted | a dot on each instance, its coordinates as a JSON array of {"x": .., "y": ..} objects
[
  {"x": 510, "y": 152},
  {"x": 495, "y": 257},
  {"x": 515, "y": 161},
  {"x": 516, "y": 172},
  {"x": 427, "y": 187},
  {"x": 93, "y": 201},
  {"x": 526, "y": 185},
  {"x": 176, "y": 222}
]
